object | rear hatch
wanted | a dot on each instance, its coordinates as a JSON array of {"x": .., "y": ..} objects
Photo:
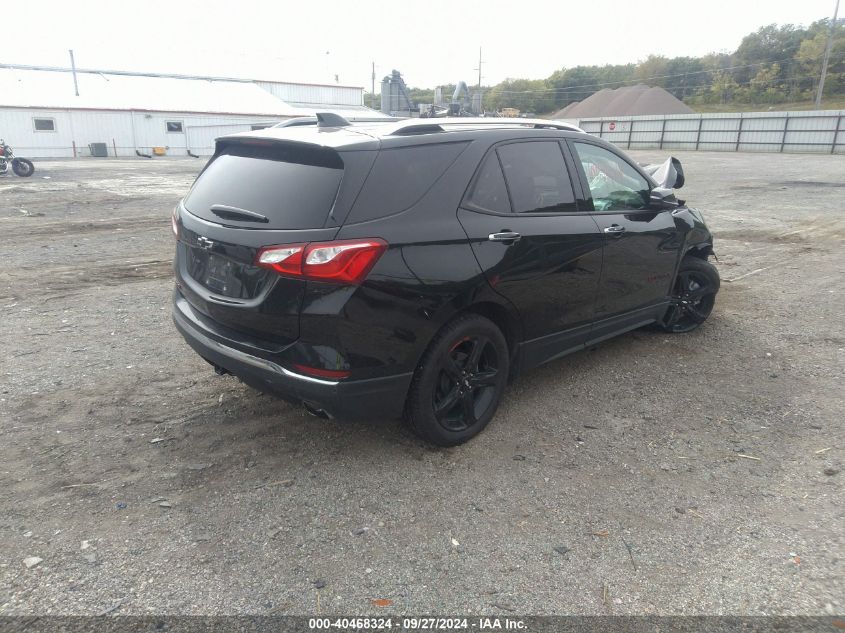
[{"x": 253, "y": 193}]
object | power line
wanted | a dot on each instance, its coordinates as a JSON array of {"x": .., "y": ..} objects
[
  {"x": 641, "y": 79},
  {"x": 553, "y": 92},
  {"x": 703, "y": 88}
]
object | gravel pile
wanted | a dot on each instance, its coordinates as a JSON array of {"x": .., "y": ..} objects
[{"x": 629, "y": 100}]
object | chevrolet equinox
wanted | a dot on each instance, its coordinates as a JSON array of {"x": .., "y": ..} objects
[{"x": 411, "y": 268}]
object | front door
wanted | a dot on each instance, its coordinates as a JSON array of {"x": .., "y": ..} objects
[
  {"x": 642, "y": 244},
  {"x": 533, "y": 244}
]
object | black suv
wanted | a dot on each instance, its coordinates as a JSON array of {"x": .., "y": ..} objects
[{"x": 413, "y": 267}]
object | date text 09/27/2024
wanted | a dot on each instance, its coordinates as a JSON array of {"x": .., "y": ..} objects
[{"x": 417, "y": 624}]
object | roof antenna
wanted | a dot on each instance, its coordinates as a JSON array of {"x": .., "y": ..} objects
[{"x": 330, "y": 119}]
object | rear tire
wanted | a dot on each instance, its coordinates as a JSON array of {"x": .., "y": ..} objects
[
  {"x": 23, "y": 167},
  {"x": 459, "y": 382},
  {"x": 693, "y": 296}
]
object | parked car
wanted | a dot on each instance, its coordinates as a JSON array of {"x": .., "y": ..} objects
[{"x": 412, "y": 268}]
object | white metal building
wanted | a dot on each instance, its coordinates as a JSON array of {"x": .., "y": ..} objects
[{"x": 41, "y": 116}]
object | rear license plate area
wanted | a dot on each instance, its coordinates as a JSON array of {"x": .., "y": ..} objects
[{"x": 218, "y": 274}]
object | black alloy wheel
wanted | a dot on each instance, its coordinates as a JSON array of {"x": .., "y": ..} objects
[
  {"x": 693, "y": 296},
  {"x": 466, "y": 385},
  {"x": 459, "y": 382}
]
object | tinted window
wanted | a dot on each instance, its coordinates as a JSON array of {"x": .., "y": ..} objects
[
  {"x": 488, "y": 191},
  {"x": 537, "y": 177},
  {"x": 173, "y": 126},
  {"x": 293, "y": 186},
  {"x": 401, "y": 176},
  {"x": 614, "y": 184}
]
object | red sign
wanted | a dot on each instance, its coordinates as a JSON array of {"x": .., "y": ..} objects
[{"x": 612, "y": 126}]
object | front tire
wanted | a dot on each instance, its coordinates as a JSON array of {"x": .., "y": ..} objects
[
  {"x": 23, "y": 167},
  {"x": 693, "y": 296},
  {"x": 458, "y": 385}
]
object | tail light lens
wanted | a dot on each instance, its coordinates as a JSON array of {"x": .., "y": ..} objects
[
  {"x": 286, "y": 260},
  {"x": 174, "y": 223},
  {"x": 343, "y": 261}
]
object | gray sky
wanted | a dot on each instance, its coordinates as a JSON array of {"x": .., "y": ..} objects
[{"x": 431, "y": 43}]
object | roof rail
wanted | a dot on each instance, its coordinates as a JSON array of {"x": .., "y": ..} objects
[
  {"x": 429, "y": 126},
  {"x": 303, "y": 120},
  {"x": 417, "y": 128},
  {"x": 312, "y": 120}
]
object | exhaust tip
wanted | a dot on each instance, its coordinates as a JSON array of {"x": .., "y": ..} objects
[{"x": 316, "y": 411}]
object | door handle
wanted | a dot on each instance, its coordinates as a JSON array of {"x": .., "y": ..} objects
[
  {"x": 504, "y": 236},
  {"x": 614, "y": 229}
]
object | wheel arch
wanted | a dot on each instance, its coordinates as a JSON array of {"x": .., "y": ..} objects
[
  {"x": 503, "y": 319},
  {"x": 462, "y": 322},
  {"x": 701, "y": 251}
]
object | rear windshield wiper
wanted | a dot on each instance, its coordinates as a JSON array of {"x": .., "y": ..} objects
[{"x": 234, "y": 213}]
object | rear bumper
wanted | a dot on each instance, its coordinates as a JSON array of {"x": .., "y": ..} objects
[{"x": 375, "y": 397}]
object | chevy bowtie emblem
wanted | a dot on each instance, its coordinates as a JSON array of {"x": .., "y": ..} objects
[{"x": 204, "y": 242}]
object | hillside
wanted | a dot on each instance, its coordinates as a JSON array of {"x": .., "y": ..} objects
[{"x": 776, "y": 67}]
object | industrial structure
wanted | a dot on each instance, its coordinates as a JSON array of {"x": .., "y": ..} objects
[
  {"x": 396, "y": 100},
  {"x": 394, "y": 96},
  {"x": 48, "y": 112}
]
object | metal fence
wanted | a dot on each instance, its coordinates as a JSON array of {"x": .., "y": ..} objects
[{"x": 813, "y": 131}]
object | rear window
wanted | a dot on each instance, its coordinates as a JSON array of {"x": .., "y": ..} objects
[
  {"x": 401, "y": 176},
  {"x": 294, "y": 187}
]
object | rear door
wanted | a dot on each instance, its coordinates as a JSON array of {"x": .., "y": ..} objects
[
  {"x": 642, "y": 244},
  {"x": 534, "y": 243}
]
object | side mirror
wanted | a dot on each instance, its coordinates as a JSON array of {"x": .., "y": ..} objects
[
  {"x": 668, "y": 175},
  {"x": 661, "y": 198}
]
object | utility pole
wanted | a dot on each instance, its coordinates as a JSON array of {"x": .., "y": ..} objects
[
  {"x": 826, "y": 56},
  {"x": 479, "y": 62},
  {"x": 73, "y": 70},
  {"x": 373, "y": 88},
  {"x": 481, "y": 97}
]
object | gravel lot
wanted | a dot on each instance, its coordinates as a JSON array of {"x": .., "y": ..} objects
[{"x": 696, "y": 474}]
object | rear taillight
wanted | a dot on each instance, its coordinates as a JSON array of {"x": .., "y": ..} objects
[
  {"x": 343, "y": 261},
  {"x": 286, "y": 260}
]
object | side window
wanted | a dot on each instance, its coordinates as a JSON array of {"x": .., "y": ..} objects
[
  {"x": 614, "y": 184},
  {"x": 489, "y": 192},
  {"x": 537, "y": 178},
  {"x": 400, "y": 177}
]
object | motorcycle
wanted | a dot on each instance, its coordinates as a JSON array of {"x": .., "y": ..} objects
[{"x": 21, "y": 166}]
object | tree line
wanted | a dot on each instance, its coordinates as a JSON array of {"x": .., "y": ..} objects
[{"x": 775, "y": 64}]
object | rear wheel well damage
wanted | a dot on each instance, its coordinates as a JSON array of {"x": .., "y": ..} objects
[
  {"x": 501, "y": 318},
  {"x": 508, "y": 324}
]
